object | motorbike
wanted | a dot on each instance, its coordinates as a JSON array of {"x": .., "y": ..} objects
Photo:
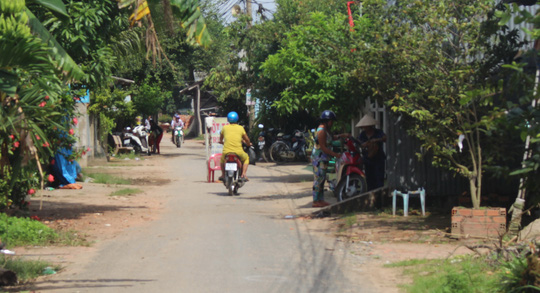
[
  {"x": 350, "y": 179},
  {"x": 265, "y": 140},
  {"x": 136, "y": 138},
  {"x": 289, "y": 148},
  {"x": 233, "y": 170},
  {"x": 178, "y": 136}
]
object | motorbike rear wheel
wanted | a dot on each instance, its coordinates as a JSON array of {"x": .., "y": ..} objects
[
  {"x": 357, "y": 185},
  {"x": 275, "y": 151},
  {"x": 230, "y": 187}
]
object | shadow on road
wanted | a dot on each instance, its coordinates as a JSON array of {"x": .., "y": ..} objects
[{"x": 79, "y": 284}]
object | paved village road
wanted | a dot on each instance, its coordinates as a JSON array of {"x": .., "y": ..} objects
[{"x": 207, "y": 241}]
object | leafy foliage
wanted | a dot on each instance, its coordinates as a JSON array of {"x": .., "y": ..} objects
[
  {"x": 437, "y": 67},
  {"x": 96, "y": 33},
  {"x": 316, "y": 66},
  {"x": 149, "y": 98},
  {"x": 524, "y": 116},
  {"x": 23, "y": 231},
  {"x": 36, "y": 113}
]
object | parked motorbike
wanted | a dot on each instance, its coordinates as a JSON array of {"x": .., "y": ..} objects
[
  {"x": 350, "y": 179},
  {"x": 178, "y": 136},
  {"x": 233, "y": 170},
  {"x": 265, "y": 140},
  {"x": 136, "y": 138},
  {"x": 289, "y": 148}
]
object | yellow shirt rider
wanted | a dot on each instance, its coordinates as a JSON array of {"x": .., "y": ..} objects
[{"x": 232, "y": 136}]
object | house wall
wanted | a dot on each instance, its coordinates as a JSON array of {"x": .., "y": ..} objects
[
  {"x": 512, "y": 25},
  {"x": 82, "y": 130},
  {"x": 405, "y": 171}
]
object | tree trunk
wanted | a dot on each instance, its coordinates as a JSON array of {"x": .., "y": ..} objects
[
  {"x": 475, "y": 196},
  {"x": 168, "y": 17}
]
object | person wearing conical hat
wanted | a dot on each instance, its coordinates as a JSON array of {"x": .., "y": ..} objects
[{"x": 372, "y": 140}]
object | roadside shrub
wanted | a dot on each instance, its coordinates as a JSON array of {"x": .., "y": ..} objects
[
  {"x": 165, "y": 118},
  {"x": 16, "y": 188},
  {"x": 25, "y": 269},
  {"x": 24, "y": 231},
  {"x": 520, "y": 274},
  {"x": 456, "y": 282}
]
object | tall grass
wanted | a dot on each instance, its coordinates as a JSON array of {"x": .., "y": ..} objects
[
  {"x": 25, "y": 269},
  {"x": 465, "y": 274}
]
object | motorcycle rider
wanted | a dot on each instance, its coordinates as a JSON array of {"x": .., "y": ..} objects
[
  {"x": 176, "y": 122},
  {"x": 322, "y": 154},
  {"x": 232, "y": 136}
]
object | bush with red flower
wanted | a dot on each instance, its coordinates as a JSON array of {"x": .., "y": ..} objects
[{"x": 40, "y": 120}]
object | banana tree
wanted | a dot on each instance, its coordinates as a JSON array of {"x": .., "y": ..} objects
[
  {"x": 187, "y": 12},
  {"x": 33, "y": 72}
]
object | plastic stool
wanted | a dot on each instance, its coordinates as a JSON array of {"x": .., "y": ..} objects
[
  {"x": 421, "y": 192},
  {"x": 214, "y": 164}
]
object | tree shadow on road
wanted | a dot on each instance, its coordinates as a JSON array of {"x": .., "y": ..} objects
[
  {"x": 52, "y": 285},
  {"x": 54, "y": 211}
]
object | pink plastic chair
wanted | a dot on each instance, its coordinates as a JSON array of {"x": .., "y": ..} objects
[{"x": 214, "y": 164}]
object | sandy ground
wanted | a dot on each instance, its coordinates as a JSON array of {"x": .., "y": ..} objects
[{"x": 96, "y": 217}]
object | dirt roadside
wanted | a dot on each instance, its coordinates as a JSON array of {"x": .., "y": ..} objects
[{"x": 373, "y": 240}]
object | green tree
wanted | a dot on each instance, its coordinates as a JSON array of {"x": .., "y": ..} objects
[
  {"x": 97, "y": 36},
  {"x": 434, "y": 63},
  {"x": 316, "y": 66},
  {"x": 148, "y": 99}
]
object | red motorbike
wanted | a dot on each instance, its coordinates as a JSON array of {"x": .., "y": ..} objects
[
  {"x": 350, "y": 179},
  {"x": 233, "y": 170}
]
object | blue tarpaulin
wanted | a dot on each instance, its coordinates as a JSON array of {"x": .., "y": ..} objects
[{"x": 65, "y": 172}]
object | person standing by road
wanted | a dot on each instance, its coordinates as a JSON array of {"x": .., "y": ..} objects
[
  {"x": 321, "y": 155},
  {"x": 147, "y": 123},
  {"x": 232, "y": 136},
  {"x": 156, "y": 134},
  {"x": 372, "y": 140}
]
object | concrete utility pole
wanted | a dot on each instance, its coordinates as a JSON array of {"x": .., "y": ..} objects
[
  {"x": 251, "y": 107},
  {"x": 249, "y": 12}
]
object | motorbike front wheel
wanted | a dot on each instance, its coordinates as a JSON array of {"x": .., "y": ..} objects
[
  {"x": 252, "y": 156},
  {"x": 265, "y": 155},
  {"x": 357, "y": 185},
  {"x": 275, "y": 151},
  {"x": 178, "y": 141}
]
